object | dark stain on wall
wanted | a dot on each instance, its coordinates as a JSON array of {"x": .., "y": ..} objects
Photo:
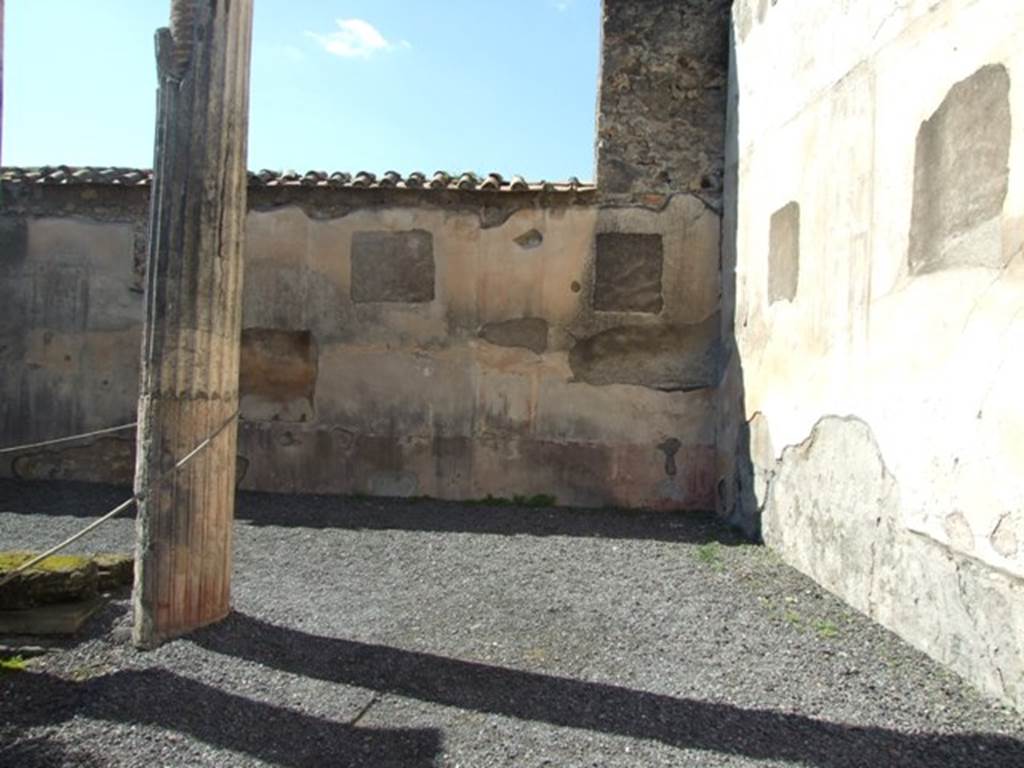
[
  {"x": 961, "y": 176},
  {"x": 670, "y": 358},
  {"x": 670, "y": 448},
  {"x": 60, "y": 297},
  {"x": 278, "y": 366},
  {"x": 393, "y": 266},
  {"x": 527, "y": 332},
  {"x": 784, "y": 253},
  {"x": 104, "y": 460},
  {"x": 13, "y": 240},
  {"x": 628, "y": 272},
  {"x": 530, "y": 239}
]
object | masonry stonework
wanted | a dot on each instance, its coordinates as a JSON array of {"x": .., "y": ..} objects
[
  {"x": 393, "y": 266},
  {"x": 661, "y": 115},
  {"x": 628, "y": 272}
]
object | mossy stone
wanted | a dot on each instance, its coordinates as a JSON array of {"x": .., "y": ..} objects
[{"x": 58, "y": 579}]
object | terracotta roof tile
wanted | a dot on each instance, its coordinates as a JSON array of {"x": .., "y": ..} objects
[{"x": 130, "y": 177}]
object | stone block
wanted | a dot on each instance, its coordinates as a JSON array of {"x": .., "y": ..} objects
[
  {"x": 58, "y": 579},
  {"x": 114, "y": 571},
  {"x": 58, "y": 619},
  {"x": 393, "y": 266},
  {"x": 628, "y": 272}
]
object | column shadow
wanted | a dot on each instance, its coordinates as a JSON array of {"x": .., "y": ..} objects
[
  {"x": 276, "y": 735},
  {"x": 679, "y": 722}
]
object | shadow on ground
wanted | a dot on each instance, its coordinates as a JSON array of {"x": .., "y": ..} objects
[
  {"x": 677, "y": 722},
  {"x": 276, "y": 735},
  {"x": 424, "y": 515},
  {"x": 43, "y": 752}
]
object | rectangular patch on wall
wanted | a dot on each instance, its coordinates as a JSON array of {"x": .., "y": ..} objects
[
  {"x": 13, "y": 239},
  {"x": 628, "y": 272},
  {"x": 784, "y": 253},
  {"x": 277, "y": 375},
  {"x": 393, "y": 267},
  {"x": 961, "y": 176}
]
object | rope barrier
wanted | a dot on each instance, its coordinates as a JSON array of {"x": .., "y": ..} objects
[
  {"x": 120, "y": 507},
  {"x": 69, "y": 439}
]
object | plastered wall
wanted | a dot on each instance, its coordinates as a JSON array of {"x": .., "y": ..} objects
[
  {"x": 395, "y": 345},
  {"x": 403, "y": 340},
  {"x": 873, "y": 276}
]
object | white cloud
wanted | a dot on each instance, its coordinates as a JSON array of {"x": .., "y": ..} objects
[
  {"x": 562, "y": 5},
  {"x": 355, "y": 39}
]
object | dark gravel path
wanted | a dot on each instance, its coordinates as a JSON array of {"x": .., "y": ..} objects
[{"x": 375, "y": 633}]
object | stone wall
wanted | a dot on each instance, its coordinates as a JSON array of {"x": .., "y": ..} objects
[
  {"x": 661, "y": 116},
  {"x": 454, "y": 344},
  {"x": 446, "y": 342},
  {"x": 870, "y": 422}
]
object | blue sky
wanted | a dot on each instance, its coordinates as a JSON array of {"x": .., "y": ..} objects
[{"x": 481, "y": 85}]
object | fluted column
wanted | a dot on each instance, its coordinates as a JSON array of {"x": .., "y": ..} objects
[{"x": 190, "y": 349}]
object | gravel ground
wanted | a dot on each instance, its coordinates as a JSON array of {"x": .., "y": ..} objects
[{"x": 389, "y": 633}]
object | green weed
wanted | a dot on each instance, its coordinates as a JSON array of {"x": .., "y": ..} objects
[
  {"x": 826, "y": 629},
  {"x": 710, "y": 554},
  {"x": 12, "y": 664}
]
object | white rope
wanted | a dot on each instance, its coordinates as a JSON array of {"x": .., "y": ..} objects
[
  {"x": 71, "y": 540},
  {"x": 188, "y": 456},
  {"x": 69, "y": 439},
  {"x": 119, "y": 508}
]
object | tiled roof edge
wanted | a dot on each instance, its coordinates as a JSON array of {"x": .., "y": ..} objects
[{"x": 133, "y": 177}]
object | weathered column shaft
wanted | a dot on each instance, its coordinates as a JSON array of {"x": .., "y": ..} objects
[{"x": 190, "y": 352}]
